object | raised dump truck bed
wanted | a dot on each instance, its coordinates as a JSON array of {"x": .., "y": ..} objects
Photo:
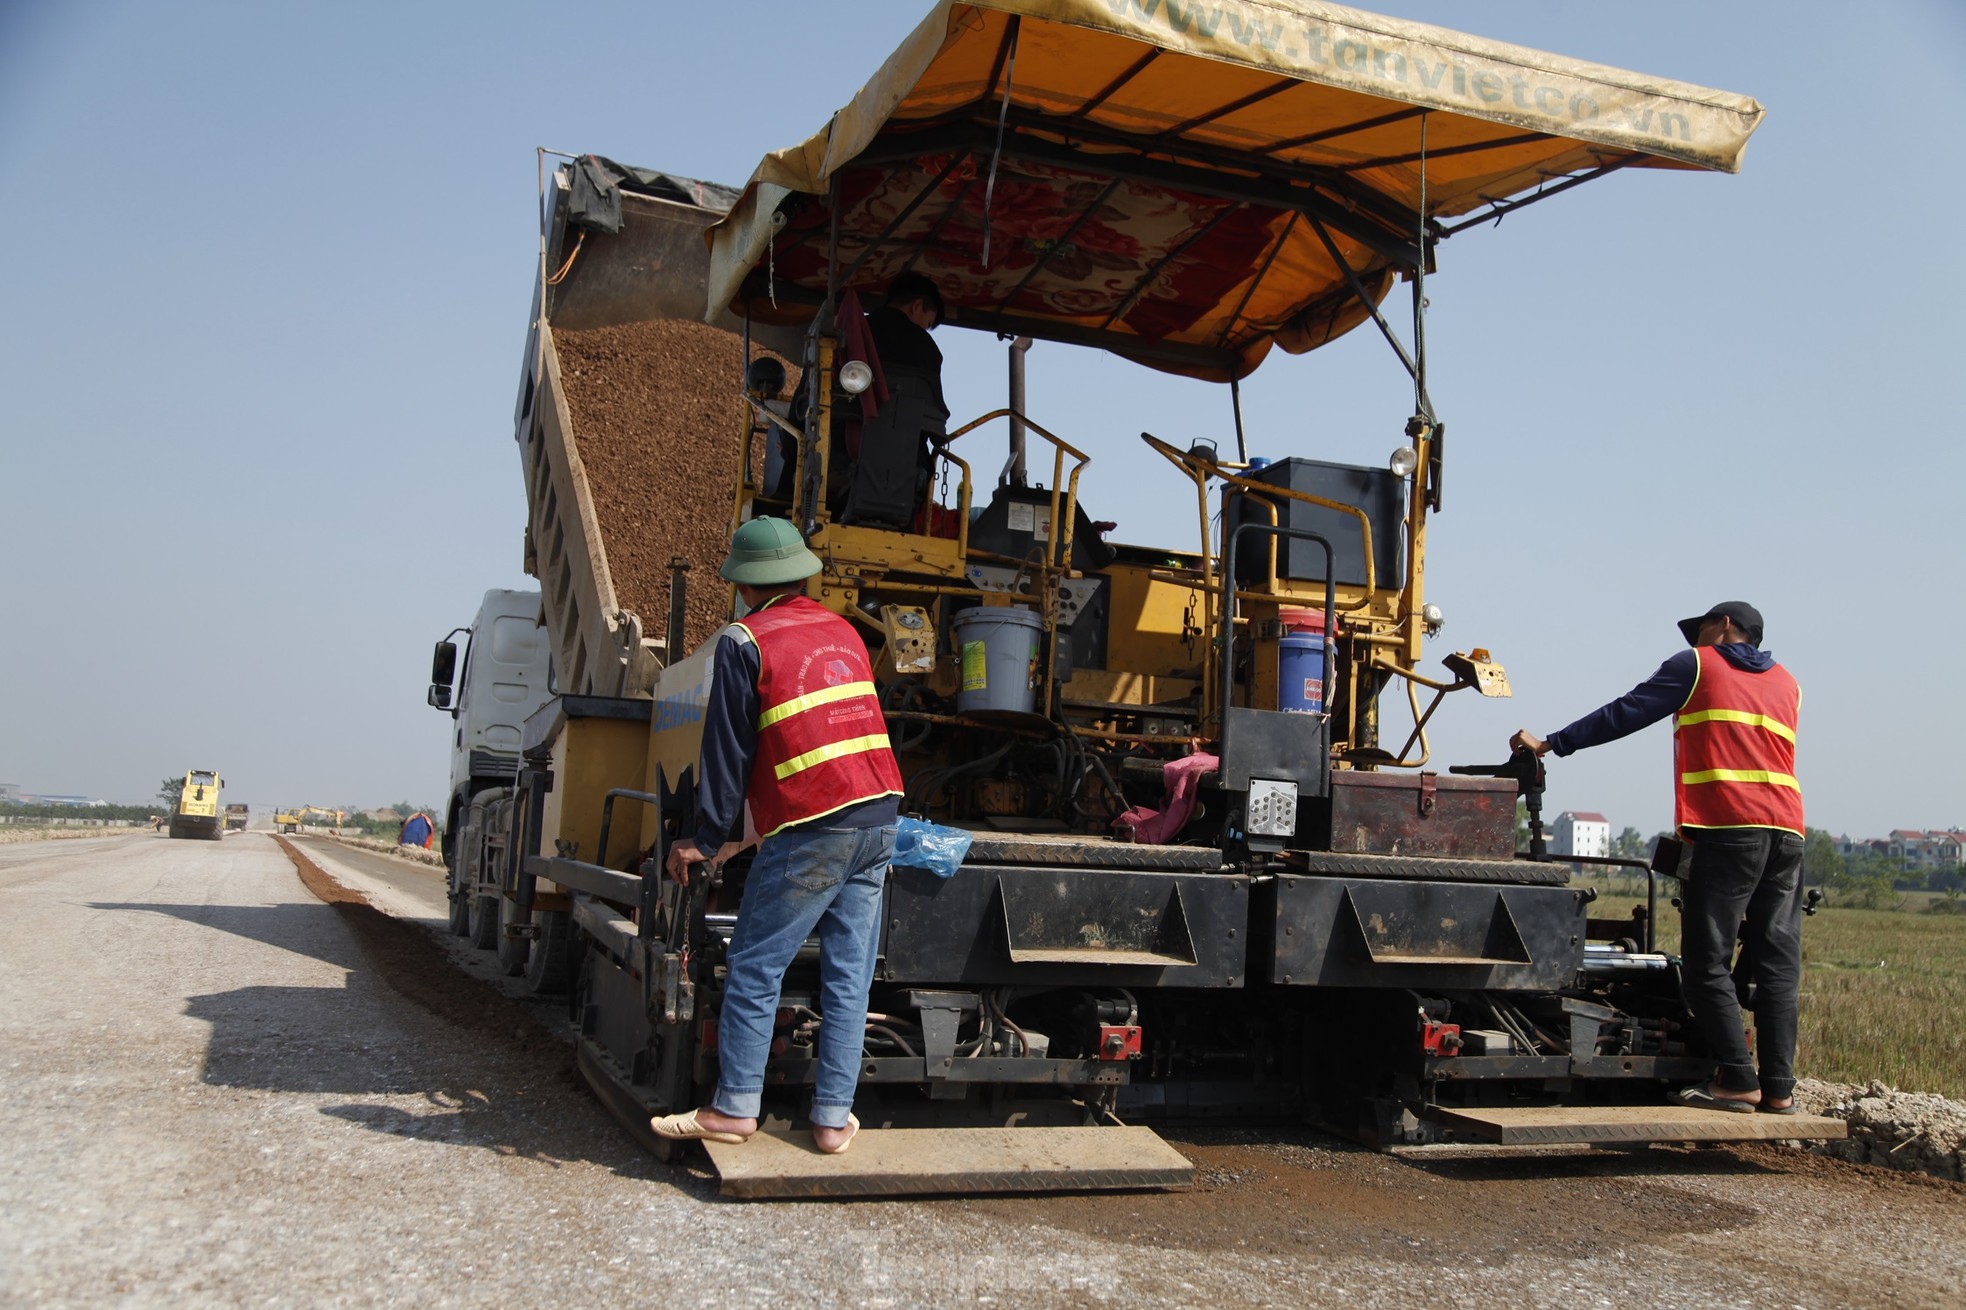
[{"x": 627, "y": 425}]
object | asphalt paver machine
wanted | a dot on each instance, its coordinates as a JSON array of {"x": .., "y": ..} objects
[{"x": 1213, "y": 872}]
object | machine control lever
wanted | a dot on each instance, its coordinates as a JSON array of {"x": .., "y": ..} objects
[{"x": 1526, "y": 768}]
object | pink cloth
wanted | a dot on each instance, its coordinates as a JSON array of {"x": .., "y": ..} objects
[{"x": 1179, "y": 778}]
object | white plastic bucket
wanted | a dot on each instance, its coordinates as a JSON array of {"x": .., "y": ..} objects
[{"x": 999, "y": 649}]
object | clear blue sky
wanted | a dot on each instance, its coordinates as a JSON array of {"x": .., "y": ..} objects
[{"x": 270, "y": 268}]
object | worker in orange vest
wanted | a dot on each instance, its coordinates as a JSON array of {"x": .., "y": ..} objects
[
  {"x": 793, "y": 733},
  {"x": 1739, "y": 806}
]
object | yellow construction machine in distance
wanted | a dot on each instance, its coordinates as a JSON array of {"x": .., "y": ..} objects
[
  {"x": 290, "y": 820},
  {"x": 197, "y": 813}
]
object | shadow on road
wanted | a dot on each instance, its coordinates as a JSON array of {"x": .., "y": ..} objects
[
  {"x": 483, "y": 1072},
  {"x": 301, "y": 928},
  {"x": 1664, "y": 1160}
]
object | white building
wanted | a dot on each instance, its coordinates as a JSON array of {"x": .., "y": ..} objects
[{"x": 1580, "y": 832}]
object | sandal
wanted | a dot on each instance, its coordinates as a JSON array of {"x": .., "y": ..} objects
[
  {"x": 1701, "y": 1098},
  {"x": 853, "y": 1131},
  {"x": 1790, "y": 1108},
  {"x": 685, "y": 1127}
]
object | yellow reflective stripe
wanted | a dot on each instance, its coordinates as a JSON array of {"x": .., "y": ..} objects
[
  {"x": 1740, "y": 775},
  {"x": 820, "y": 754},
  {"x": 824, "y": 696},
  {"x": 1775, "y": 726}
]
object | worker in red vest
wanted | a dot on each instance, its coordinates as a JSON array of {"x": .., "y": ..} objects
[
  {"x": 1739, "y": 805},
  {"x": 794, "y": 733}
]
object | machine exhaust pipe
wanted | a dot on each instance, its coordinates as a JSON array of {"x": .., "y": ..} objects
[{"x": 1014, "y": 473}]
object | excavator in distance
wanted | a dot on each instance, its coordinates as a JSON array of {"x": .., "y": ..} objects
[{"x": 290, "y": 820}]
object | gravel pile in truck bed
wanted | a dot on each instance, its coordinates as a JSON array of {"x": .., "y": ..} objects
[{"x": 658, "y": 421}]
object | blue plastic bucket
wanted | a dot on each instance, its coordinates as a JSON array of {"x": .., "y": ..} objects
[
  {"x": 999, "y": 648},
  {"x": 1300, "y": 673}
]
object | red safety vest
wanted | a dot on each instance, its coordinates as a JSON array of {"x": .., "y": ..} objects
[
  {"x": 822, "y": 739},
  {"x": 1734, "y": 748}
]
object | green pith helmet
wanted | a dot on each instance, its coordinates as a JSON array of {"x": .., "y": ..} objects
[{"x": 768, "y": 553}]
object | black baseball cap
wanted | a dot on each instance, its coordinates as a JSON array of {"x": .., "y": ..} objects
[{"x": 1738, "y": 612}]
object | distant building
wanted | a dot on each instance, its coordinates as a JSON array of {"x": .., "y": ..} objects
[
  {"x": 1936, "y": 848},
  {"x": 10, "y": 793},
  {"x": 59, "y": 800},
  {"x": 1580, "y": 833}
]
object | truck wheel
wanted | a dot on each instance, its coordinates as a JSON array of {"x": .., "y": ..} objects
[
  {"x": 546, "y": 964},
  {"x": 460, "y": 910},
  {"x": 512, "y": 951},
  {"x": 463, "y": 857},
  {"x": 484, "y": 922}
]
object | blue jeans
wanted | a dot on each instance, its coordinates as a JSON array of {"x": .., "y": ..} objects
[{"x": 803, "y": 879}]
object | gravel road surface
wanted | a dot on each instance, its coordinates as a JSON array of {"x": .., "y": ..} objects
[{"x": 227, "y": 1091}]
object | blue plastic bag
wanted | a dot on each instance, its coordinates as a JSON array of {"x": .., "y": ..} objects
[{"x": 930, "y": 846}]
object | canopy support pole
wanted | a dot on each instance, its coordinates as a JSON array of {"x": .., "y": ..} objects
[
  {"x": 1423, "y": 404},
  {"x": 1500, "y": 209},
  {"x": 1235, "y": 403},
  {"x": 1364, "y": 295},
  {"x": 819, "y": 408}
]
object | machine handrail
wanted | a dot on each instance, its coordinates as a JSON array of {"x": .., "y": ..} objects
[
  {"x": 1226, "y": 639},
  {"x": 1201, "y": 470},
  {"x": 607, "y": 815}
]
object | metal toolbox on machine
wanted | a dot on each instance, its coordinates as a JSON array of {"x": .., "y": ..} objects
[{"x": 1423, "y": 814}]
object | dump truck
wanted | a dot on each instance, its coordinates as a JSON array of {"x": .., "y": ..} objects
[
  {"x": 1213, "y": 871},
  {"x": 237, "y": 817},
  {"x": 197, "y": 813}
]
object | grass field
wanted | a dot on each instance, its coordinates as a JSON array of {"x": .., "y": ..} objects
[{"x": 1882, "y": 992}]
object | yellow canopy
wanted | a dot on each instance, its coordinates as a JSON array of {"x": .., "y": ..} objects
[{"x": 1179, "y": 180}]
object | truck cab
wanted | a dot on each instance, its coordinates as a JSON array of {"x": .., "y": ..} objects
[{"x": 503, "y": 676}]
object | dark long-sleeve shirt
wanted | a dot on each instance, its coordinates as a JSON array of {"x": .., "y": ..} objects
[
  {"x": 1654, "y": 699},
  {"x": 730, "y": 743},
  {"x": 903, "y": 344}
]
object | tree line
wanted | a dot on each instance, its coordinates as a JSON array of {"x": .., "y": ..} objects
[
  {"x": 39, "y": 810},
  {"x": 1863, "y": 879}
]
